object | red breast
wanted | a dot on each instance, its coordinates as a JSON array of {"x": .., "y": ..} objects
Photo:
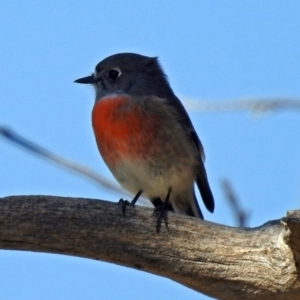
[{"x": 123, "y": 130}]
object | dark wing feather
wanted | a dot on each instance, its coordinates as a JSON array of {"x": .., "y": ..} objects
[{"x": 201, "y": 180}]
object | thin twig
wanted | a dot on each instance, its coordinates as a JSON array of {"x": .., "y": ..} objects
[
  {"x": 240, "y": 214},
  {"x": 257, "y": 106},
  {"x": 26, "y": 144}
]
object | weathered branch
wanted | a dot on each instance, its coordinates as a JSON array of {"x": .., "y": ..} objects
[{"x": 220, "y": 261}]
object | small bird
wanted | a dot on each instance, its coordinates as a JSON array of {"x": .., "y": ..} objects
[{"x": 146, "y": 137}]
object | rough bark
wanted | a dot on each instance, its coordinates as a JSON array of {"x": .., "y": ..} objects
[{"x": 219, "y": 261}]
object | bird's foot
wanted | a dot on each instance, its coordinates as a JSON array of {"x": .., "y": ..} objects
[
  {"x": 161, "y": 214},
  {"x": 124, "y": 204}
]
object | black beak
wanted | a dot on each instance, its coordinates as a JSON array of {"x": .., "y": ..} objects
[{"x": 86, "y": 80}]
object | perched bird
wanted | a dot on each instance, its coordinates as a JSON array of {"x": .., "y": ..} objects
[{"x": 146, "y": 137}]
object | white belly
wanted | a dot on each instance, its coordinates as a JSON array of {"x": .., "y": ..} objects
[{"x": 154, "y": 181}]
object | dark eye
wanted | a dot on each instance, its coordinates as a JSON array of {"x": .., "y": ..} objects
[{"x": 113, "y": 74}]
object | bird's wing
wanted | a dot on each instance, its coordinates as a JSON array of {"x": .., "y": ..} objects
[{"x": 201, "y": 180}]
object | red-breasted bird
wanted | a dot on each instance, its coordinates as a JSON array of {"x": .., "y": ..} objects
[{"x": 146, "y": 137}]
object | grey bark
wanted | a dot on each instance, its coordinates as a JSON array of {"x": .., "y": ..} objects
[{"x": 220, "y": 261}]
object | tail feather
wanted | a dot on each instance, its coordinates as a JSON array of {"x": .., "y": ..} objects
[{"x": 205, "y": 191}]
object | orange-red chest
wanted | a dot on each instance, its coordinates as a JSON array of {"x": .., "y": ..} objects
[{"x": 122, "y": 129}]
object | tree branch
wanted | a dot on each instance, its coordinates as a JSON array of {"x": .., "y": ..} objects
[{"x": 219, "y": 261}]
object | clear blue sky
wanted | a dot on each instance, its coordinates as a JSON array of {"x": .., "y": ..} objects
[{"x": 213, "y": 50}]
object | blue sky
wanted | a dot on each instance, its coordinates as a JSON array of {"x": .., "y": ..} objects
[{"x": 210, "y": 50}]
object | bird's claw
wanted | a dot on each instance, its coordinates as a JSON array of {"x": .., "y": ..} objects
[
  {"x": 124, "y": 204},
  {"x": 161, "y": 214}
]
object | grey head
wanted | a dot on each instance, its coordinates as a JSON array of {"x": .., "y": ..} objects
[{"x": 129, "y": 73}]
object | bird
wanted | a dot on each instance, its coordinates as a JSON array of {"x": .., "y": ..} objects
[{"x": 145, "y": 136}]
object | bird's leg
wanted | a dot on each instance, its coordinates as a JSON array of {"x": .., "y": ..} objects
[
  {"x": 125, "y": 203},
  {"x": 161, "y": 212}
]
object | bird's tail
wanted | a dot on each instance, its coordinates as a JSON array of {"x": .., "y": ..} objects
[{"x": 205, "y": 191}]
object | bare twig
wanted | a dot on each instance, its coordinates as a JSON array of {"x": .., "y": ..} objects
[
  {"x": 26, "y": 144},
  {"x": 240, "y": 214},
  {"x": 256, "y": 106}
]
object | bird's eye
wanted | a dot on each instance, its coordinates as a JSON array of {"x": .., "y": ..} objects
[{"x": 113, "y": 74}]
